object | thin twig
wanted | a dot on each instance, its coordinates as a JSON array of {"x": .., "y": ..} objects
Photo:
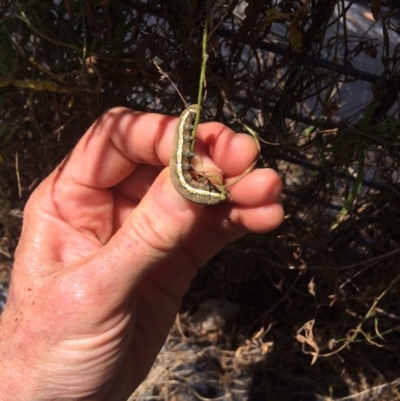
[
  {"x": 18, "y": 176},
  {"x": 366, "y": 317},
  {"x": 165, "y": 75}
]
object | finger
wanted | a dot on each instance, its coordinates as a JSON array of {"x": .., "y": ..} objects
[
  {"x": 115, "y": 144},
  {"x": 218, "y": 145},
  {"x": 121, "y": 139},
  {"x": 229, "y": 224},
  {"x": 218, "y": 225},
  {"x": 260, "y": 186},
  {"x": 257, "y": 211}
]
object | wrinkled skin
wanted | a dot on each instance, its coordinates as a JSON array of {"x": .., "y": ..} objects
[{"x": 107, "y": 251}]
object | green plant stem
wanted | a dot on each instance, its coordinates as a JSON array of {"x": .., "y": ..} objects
[{"x": 204, "y": 57}]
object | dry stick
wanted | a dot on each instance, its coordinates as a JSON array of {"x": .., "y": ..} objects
[
  {"x": 165, "y": 75},
  {"x": 18, "y": 176}
]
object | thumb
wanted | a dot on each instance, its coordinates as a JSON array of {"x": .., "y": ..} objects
[{"x": 155, "y": 229}]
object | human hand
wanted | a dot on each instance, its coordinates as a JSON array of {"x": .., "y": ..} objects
[{"x": 107, "y": 251}]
